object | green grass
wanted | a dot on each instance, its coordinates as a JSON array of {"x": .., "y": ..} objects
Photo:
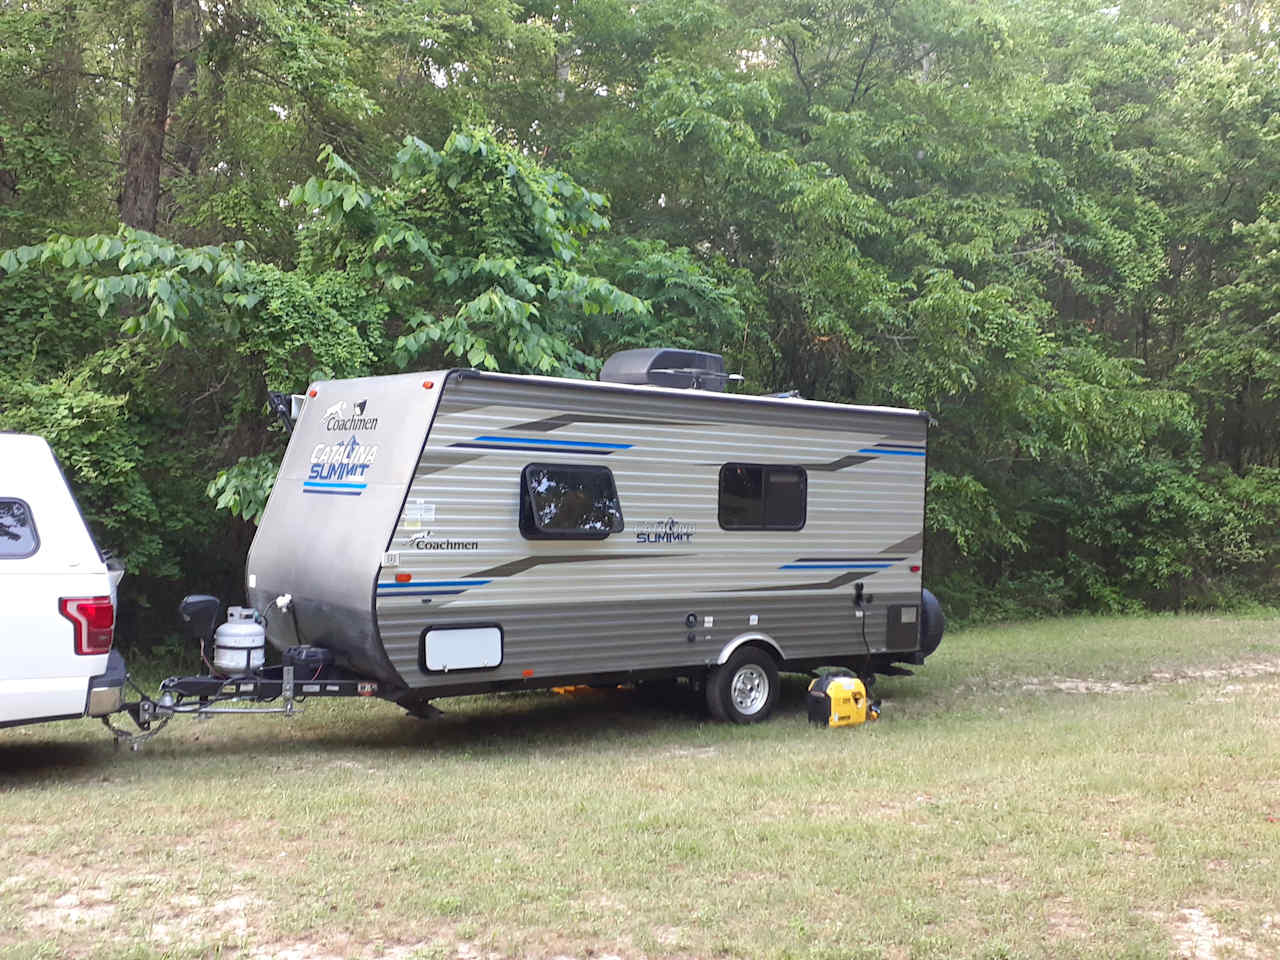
[{"x": 992, "y": 812}]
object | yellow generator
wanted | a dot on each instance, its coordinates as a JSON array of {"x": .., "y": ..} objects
[{"x": 839, "y": 701}]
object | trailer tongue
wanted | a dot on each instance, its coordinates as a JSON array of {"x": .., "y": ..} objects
[{"x": 238, "y": 673}]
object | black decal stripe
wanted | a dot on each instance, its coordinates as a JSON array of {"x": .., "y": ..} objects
[
  {"x": 548, "y": 424},
  {"x": 831, "y": 584},
  {"x": 536, "y": 449},
  {"x": 911, "y": 544},
  {"x": 849, "y": 460},
  {"x": 443, "y": 461},
  {"x": 528, "y": 563},
  {"x": 901, "y": 446},
  {"x": 878, "y": 559},
  {"x": 448, "y": 405}
]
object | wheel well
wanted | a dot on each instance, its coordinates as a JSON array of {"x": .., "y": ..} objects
[
  {"x": 758, "y": 640},
  {"x": 767, "y": 648}
]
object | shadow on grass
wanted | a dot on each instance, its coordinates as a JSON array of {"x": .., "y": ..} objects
[
  {"x": 512, "y": 725},
  {"x": 45, "y": 757}
]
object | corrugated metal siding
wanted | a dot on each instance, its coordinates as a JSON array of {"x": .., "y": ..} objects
[{"x": 621, "y": 604}]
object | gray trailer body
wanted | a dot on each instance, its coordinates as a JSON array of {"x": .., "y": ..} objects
[{"x": 395, "y": 525}]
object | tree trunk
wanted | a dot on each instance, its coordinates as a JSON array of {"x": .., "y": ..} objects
[
  {"x": 71, "y": 53},
  {"x": 187, "y": 35},
  {"x": 144, "y": 138},
  {"x": 8, "y": 180},
  {"x": 1241, "y": 417}
]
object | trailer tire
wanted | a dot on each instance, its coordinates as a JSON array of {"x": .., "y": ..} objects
[
  {"x": 744, "y": 689},
  {"x": 932, "y": 622},
  {"x": 711, "y": 688}
]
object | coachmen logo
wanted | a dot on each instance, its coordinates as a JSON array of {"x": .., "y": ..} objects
[
  {"x": 669, "y": 530},
  {"x": 337, "y": 418},
  {"x": 423, "y": 541}
]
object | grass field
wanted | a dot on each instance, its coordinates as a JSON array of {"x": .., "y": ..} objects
[{"x": 1078, "y": 788}]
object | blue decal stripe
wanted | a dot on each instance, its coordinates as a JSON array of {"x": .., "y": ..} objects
[
  {"x": 334, "y": 493},
  {"x": 410, "y": 584},
  {"x": 893, "y": 453},
  {"x": 835, "y": 566},
  {"x": 544, "y": 442},
  {"x": 328, "y": 483},
  {"x": 528, "y": 446}
]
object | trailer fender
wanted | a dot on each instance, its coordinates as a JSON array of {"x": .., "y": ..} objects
[{"x": 744, "y": 638}]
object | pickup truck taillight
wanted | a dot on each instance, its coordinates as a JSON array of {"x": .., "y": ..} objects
[{"x": 94, "y": 619}]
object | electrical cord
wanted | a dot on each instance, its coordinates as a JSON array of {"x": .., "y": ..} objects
[
  {"x": 865, "y": 643},
  {"x": 297, "y": 630},
  {"x": 861, "y": 614}
]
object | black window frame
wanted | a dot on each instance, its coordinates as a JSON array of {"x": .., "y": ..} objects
[
  {"x": 764, "y": 469},
  {"x": 35, "y": 531},
  {"x": 528, "y": 525}
]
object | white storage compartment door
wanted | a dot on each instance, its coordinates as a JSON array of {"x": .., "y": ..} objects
[{"x": 462, "y": 648}]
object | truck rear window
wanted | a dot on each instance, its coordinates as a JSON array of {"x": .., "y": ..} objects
[{"x": 18, "y": 537}]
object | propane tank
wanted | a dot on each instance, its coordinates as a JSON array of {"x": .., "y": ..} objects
[{"x": 239, "y": 644}]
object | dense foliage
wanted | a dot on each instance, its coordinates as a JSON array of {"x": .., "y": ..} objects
[{"x": 1054, "y": 225}]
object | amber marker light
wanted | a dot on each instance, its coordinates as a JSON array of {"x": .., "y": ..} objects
[
  {"x": 526, "y": 674},
  {"x": 403, "y": 577},
  {"x": 427, "y": 384},
  {"x": 311, "y": 393}
]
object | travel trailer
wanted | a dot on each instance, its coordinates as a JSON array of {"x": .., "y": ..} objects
[{"x": 456, "y": 532}]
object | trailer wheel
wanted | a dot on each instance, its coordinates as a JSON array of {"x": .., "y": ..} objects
[
  {"x": 745, "y": 688},
  {"x": 932, "y": 622}
]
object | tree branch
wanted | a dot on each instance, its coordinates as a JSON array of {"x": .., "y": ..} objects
[
  {"x": 795, "y": 62},
  {"x": 857, "y": 82}
]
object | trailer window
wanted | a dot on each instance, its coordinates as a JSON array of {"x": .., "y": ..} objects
[
  {"x": 17, "y": 529},
  {"x": 568, "y": 501},
  {"x": 755, "y": 496}
]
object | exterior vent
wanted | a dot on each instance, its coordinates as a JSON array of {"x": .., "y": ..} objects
[{"x": 666, "y": 367}]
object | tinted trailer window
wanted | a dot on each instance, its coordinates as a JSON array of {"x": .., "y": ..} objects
[
  {"x": 757, "y": 496},
  {"x": 565, "y": 501}
]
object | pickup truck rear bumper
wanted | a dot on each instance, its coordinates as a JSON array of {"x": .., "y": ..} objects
[{"x": 106, "y": 691}]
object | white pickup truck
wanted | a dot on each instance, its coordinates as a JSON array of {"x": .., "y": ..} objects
[{"x": 57, "y": 596}]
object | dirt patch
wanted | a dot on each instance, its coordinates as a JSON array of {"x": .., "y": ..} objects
[
  {"x": 1198, "y": 936},
  {"x": 86, "y": 909},
  {"x": 294, "y": 951},
  {"x": 1211, "y": 676},
  {"x": 1074, "y": 685},
  {"x": 1064, "y": 922},
  {"x": 696, "y": 752},
  {"x": 667, "y": 936},
  {"x": 469, "y": 951},
  {"x": 1000, "y": 885},
  {"x": 305, "y": 950},
  {"x": 187, "y": 917}
]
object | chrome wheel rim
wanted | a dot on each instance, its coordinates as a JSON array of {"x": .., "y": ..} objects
[{"x": 749, "y": 689}]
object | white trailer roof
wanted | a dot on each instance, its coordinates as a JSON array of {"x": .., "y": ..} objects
[{"x": 684, "y": 393}]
